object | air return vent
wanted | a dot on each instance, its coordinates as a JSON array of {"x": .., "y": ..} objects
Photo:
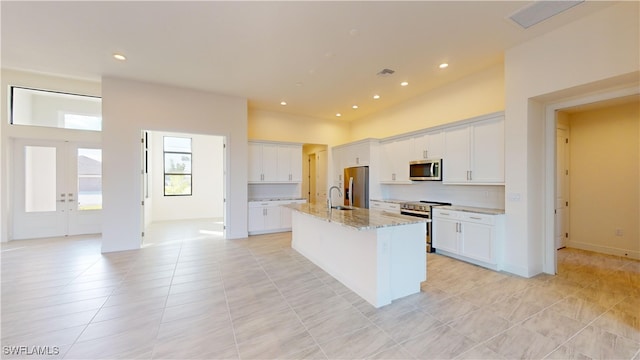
[
  {"x": 385, "y": 72},
  {"x": 540, "y": 11}
]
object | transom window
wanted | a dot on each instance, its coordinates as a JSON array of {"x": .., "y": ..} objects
[
  {"x": 177, "y": 166},
  {"x": 54, "y": 109}
]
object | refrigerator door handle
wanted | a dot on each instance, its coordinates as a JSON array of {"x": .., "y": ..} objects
[{"x": 351, "y": 191}]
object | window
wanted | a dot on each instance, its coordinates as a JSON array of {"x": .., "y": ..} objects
[
  {"x": 177, "y": 166},
  {"x": 54, "y": 109}
]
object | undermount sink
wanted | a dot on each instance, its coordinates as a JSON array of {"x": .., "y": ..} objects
[{"x": 340, "y": 207}]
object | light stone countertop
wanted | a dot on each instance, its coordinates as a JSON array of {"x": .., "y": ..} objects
[
  {"x": 358, "y": 218},
  {"x": 479, "y": 210},
  {"x": 276, "y": 199}
]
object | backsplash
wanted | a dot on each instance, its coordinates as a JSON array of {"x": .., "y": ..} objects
[
  {"x": 273, "y": 191},
  {"x": 487, "y": 196}
]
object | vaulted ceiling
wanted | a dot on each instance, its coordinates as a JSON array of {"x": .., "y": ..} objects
[{"x": 320, "y": 57}]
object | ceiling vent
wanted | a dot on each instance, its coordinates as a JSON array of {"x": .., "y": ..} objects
[
  {"x": 385, "y": 72},
  {"x": 540, "y": 11}
]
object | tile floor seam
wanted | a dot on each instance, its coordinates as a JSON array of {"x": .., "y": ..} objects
[
  {"x": 94, "y": 315},
  {"x": 233, "y": 328},
  {"x": 166, "y": 300},
  {"x": 289, "y": 305}
]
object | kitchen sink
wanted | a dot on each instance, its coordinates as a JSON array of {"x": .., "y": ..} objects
[{"x": 340, "y": 207}]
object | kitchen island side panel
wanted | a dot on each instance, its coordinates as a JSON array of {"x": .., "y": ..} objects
[{"x": 379, "y": 265}]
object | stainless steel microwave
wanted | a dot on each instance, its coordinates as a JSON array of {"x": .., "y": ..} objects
[{"x": 426, "y": 170}]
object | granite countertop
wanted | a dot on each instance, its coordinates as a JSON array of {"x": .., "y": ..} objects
[
  {"x": 394, "y": 201},
  {"x": 358, "y": 218},
  {"x": 478, "y": 210},
  {"x": 276, "y": 199}
]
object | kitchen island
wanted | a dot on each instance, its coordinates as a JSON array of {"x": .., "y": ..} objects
[{"x": 379, "y": 255}]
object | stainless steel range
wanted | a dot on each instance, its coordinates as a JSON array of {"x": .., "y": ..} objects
[{"x": 422, "y": 209}]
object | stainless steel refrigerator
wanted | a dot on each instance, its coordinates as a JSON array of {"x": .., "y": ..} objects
[{"x": 356, "y": 186}]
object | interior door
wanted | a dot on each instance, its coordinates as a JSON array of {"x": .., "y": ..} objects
[
  {"x": 562, "y": 189},
  {"x": 57, "y": 189}
]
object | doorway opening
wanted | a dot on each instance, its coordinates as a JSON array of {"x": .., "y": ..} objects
[
  {"x": 594, "y": 204},
  {"x": 314, "y": 173},
  {"x": 183, "y": 187}
]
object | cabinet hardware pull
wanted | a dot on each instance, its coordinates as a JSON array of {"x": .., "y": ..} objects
[
  {"x": 444, "y": 213},
  {"x": 475, "y": 217},
  {"x": 470, "y": 174}
]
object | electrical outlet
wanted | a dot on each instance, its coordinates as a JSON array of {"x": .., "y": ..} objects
[{"x": 619, "y": 232}]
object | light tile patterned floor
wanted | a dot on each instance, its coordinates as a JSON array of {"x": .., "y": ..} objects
[{"x": 200, "y": 297}]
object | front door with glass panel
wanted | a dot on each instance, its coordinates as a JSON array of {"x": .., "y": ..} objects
[{"x": 57, "y": 189}]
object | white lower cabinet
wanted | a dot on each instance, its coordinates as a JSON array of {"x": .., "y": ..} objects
[
  {"x": 469, "y": 236},
  {"x": 269, "y": 216}
]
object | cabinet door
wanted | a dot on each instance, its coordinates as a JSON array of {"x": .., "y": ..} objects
[
  {"x": 296, "y": 163},
  {"x": 419, "y": 147},
  {"x": 283, "y": 172},
  {"x": 270, "y": 162},
  {"x": 387, "y": 166},
  {"x": 255, "y": 162},
  {"x": 435, "y": 145},
  {"x": 456, "y": 160},
  {"x": 256, "y": 218},
  {"x": 445, "y": 234},
  {"x": 402, "y": 157},
  {"x": 477, "y": 242},
  {"x": 488, "y": 151},
  {"x": 272, "y": 217}
]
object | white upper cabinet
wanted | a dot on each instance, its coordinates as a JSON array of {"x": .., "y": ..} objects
[
  {"x": 274, "y": 163},
  {"x": 428, "y": 146},
  {"x": 488, "y": 148},
  {"x": 474, "y": 153},
  {"x": 357, "y": 154},
  {"x": 289, "y": 163},
  {"x": 394, "y": 160}
]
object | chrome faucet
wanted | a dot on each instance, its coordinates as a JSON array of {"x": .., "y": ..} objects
[{"x": 329, "y": 201}]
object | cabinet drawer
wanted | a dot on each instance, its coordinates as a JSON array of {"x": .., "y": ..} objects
[
  {"x": 447, "y": 214},
  {"x": 477, "y": 218}
]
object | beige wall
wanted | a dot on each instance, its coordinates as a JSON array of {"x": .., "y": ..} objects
[
  {"x": 278, "y": 126},
  {"x": 605, "y": 170},
  {"x": 478, "y": 94}
]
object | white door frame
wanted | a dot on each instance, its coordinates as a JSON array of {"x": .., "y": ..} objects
[{"x": 550, "y": 259}]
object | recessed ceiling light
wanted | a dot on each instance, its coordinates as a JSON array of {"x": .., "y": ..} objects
[
  {"x": 299, "y": 84},
  {"x": 283, "y": 103},
  {"x": 119, "y": 57},
  {"x": 355, "y": 106},
  {"x": 376, "y": 96},
  {"x": 404, "y": 83},
  {"x": 444, "y": 66},
  {"x": 338, "y": 114}
]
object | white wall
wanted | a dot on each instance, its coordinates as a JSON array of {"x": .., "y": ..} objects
[
  {"x": 9, "y": 132},
  {"x": 128, "y": 107},
  {"x": 597, "y": 48},
  {"x": 206, "y": 200}
]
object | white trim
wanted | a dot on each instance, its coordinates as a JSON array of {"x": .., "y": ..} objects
[
  {"x": 631, "y": 254},
  {"x": 549, "y": 262}
]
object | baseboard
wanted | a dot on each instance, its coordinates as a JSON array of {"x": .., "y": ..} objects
[{"x": 604, "y": 249}]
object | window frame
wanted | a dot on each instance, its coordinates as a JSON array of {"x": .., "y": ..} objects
[
  {"x": 164, "y": 165},
  {"x": 12, "y": 106}
]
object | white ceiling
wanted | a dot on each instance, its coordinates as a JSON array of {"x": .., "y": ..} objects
[{"x": 320, "y": 57}]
